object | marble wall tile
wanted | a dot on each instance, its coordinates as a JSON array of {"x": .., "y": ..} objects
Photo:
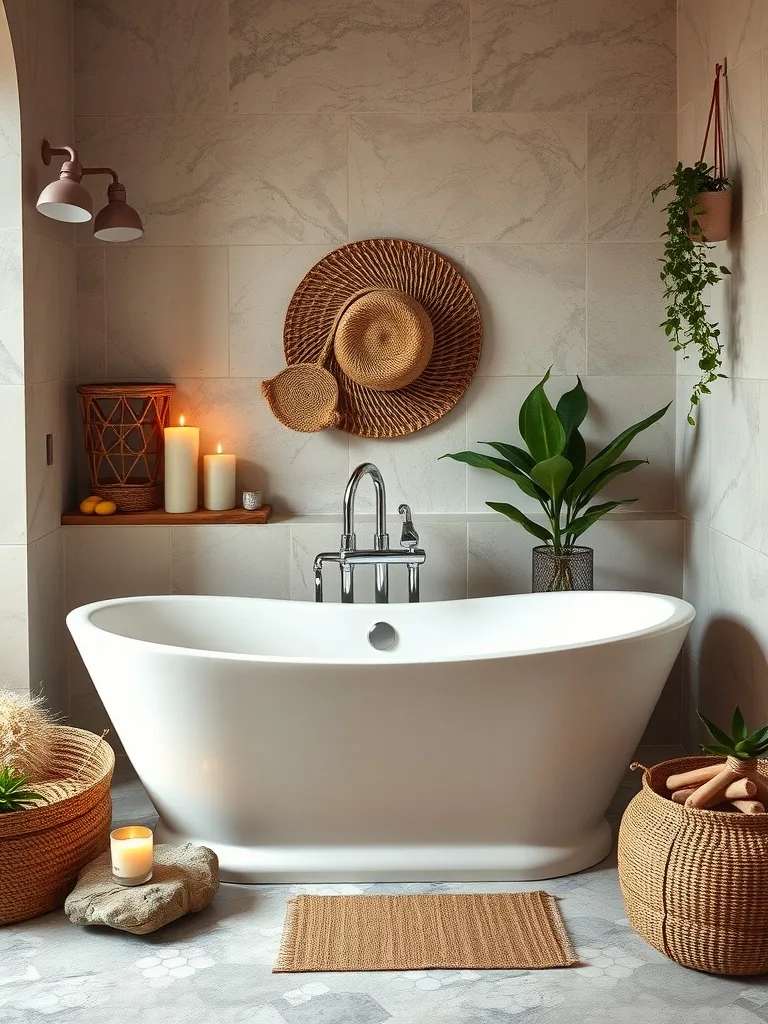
[
  {"x": 693, "y": 496},
  {"x": 696, "y": 582},
  {"x": 91, "y": 314},
  {"x": 116, "y": 561},
  {"x": 592, "y": 55},
  {"x": 303, "y": 473},
  {"x": 740, "y": 303},
  {"x": 10, "y": 137},
  {"x": 744, "y": 134},
  {"x": 486, "y": 178},
  {"x": 400, "y": 55},
  {"x": 167, "y": 313},
  {"x": 695, "y": 70},
  {"x": 142, "y": 57},
  {"x": 49, "y": 309},
  {"x": 629, "y": 155},
  {"x": 412, "y": 467},
  {"x": 231, "y": 561},
  {"x": 734, "y": 459},
  {"x": 262, "y": 280},
  {"x": 11, "y": 307},
  {"x": 615, "y": 403},
  {"x": 533, "y": 303},
  {"x": 630, "y": 554},
  {"x": 47, "y": 629},
  {"x": 738, "y": 30},
  {"x": 225, "y": 179},
  {"x": 735, "y": 645},
  {"x": 763, "y": 427},
  {"x": 42, "y": 43},
  {"x": 14, "y": 646},
  {"x": 48, "y": 487},
  {"x": 13, "y": 508},
  {"x": 624, "y": 309}
]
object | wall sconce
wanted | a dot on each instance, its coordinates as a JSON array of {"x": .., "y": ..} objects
[{"x": 67, "y": 200}]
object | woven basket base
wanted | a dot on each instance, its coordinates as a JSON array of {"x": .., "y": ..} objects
[
  {"x": 695, "y": 882},
  {"x": 131, "y": 497}
]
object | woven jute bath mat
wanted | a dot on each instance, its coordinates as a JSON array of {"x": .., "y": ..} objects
[{"x": 497, "y": 931}]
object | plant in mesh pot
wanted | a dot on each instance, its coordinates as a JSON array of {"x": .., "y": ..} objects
[{"x": 553, "y": 470}]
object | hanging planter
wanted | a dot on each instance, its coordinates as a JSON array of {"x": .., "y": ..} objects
[{"x": 698, "y": 214}]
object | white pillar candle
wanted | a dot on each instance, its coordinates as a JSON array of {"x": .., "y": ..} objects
[
  {"x": 219, "y": 481},
  {"x": 131, "y": 849},
  {"x": 182, "y": 456}
]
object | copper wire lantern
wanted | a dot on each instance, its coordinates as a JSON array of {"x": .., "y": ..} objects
[{"x": 124, "y": 441}]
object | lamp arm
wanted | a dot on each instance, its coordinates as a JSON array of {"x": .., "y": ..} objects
[{"x": 102, "y": 170}]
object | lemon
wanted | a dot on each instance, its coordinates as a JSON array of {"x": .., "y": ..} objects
[
  {"x": 88, "y": 505},
  {"x": 105, "y": 508}
]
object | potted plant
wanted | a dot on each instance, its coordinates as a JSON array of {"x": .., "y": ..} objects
[
  {"x": 554, "y": 470},
  {"x": 698, "y": 213},
  {"x": 15, "y": 791}
]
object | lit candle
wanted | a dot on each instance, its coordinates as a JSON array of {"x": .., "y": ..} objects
[
  {"x": 219, "y": 481},
  {"x": 182, "y": 455},
  {"x": 131, "y": 849}
]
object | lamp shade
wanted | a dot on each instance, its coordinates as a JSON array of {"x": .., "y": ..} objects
[
  {"x": 66, "y": 200},
  {"x": 117, "y": 221}
]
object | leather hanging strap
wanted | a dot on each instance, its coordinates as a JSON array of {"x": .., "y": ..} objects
[{"x": 715, "y": 124}]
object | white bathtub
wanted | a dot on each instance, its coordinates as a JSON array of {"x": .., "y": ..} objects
[{"x": 486, "y": 744}]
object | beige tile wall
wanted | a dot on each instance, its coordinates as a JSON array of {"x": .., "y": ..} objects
[
  {"x": 722, "y": 465},
  {"x": 37, "y": 349},
  {"x": 521, "y": 140}
]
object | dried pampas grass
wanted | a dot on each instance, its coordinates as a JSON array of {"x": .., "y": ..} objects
[{"x": 27, "y": 731}]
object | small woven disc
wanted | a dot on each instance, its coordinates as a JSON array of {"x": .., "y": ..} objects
[
  {"x": 446, "y": 299},
  {"x": 303, "y": 397}
]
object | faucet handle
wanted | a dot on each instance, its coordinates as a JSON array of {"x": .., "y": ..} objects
[{"x": 409, "y": 538}]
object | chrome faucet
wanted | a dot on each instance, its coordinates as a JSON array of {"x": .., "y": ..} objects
[{"x": 381, "y": 556}]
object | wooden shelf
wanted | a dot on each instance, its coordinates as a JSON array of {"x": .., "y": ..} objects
[{"x": 203, "y": 517}]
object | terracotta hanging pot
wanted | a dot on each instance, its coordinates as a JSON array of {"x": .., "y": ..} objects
[{"x": 712, "y": 216}]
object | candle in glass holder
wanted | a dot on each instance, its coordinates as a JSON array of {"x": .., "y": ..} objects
[
  {"x": 182, "y": 455},
  {"x": 219, "y": 481},
  {"x": 131, "y": 849}
]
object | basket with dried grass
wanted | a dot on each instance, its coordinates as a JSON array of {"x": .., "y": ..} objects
[{"x": 55, "y": 811}]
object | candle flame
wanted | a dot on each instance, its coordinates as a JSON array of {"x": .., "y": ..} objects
[
  {"x": 218, "y": 448},
  {"x": 181, "y": 421}
]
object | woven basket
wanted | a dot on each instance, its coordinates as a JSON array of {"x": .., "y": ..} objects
[
  {"x": 43, "y": 849},
  {"x": 695, "y": 882},
  {"x": 125, "y": 442}
]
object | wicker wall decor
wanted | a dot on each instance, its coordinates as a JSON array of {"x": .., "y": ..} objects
[
  {"x": 42, "y": 849},
  {"x": 695, "y": 882},
  {"x": 439, "y": 291},
  {"x": 124, "y": 441}
]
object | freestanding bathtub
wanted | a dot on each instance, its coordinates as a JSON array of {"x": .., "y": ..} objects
[{"x": 486, "y": 743}]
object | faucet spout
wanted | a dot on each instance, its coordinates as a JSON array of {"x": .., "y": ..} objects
[{"x": 365, "y": 469}]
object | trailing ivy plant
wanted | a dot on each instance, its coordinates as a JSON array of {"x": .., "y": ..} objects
[
  {"x": 554, "y": 470},
  {"x": 687, "y": 271}
]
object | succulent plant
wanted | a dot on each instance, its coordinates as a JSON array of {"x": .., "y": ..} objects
[
  {"x": 741, "y": 744},
  {"x": 14, "y": 796}
]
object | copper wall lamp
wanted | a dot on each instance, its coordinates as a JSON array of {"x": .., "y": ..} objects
[{"x": 66, "y": 199}]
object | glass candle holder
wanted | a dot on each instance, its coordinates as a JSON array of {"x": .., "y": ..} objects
[{"x": 131, "y": 849}]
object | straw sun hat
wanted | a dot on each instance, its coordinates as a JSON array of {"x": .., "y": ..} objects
[{"x": 381, "y": 337}]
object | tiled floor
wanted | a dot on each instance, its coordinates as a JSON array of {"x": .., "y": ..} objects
[{"x": 216, "y": 966}]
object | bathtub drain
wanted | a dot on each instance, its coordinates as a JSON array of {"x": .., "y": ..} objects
[{"x": 382, "y": 636}]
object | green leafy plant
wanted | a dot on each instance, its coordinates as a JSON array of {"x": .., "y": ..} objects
[
  {"x": 554, "y": 470},
  {"x": 740, "y": 744},
  {"x": 14, "y": 794},
  {"x": 687, "y": 271}
]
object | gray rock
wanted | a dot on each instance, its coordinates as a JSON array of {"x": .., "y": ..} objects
[{"x": 184, "y": 880}]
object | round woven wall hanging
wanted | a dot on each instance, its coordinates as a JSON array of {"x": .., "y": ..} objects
[{"x": 321, "y": 303}]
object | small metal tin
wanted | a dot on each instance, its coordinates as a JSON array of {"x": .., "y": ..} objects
[{"x": 251, "y": 500}]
